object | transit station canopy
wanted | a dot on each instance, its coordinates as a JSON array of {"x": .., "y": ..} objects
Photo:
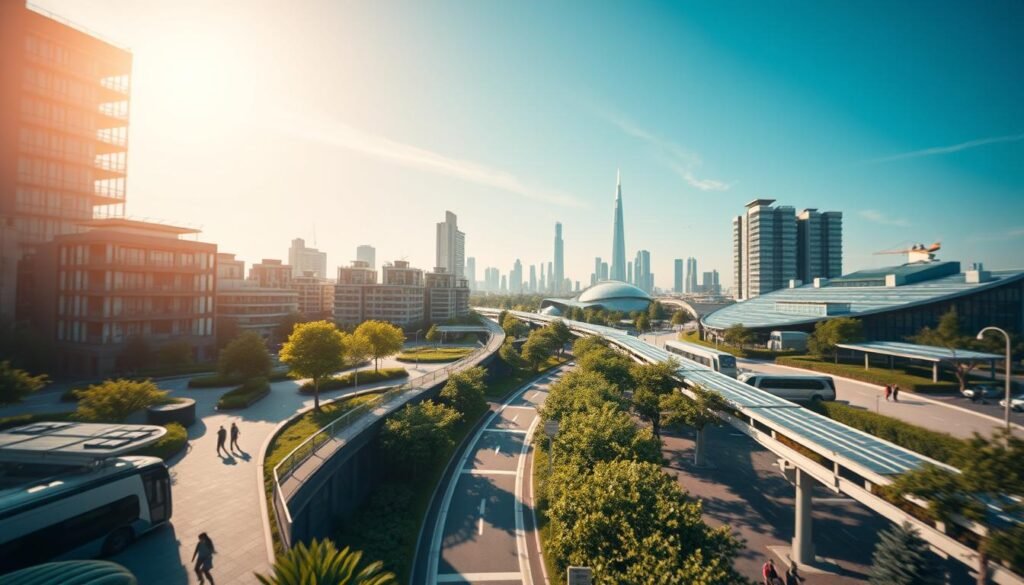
[{"x": 928, "y": 353}]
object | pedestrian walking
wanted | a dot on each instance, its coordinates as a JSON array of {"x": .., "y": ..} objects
[
  {"x": 793, "y": 576},
  {"x": 221, "y": 435},
  {"x": 769, "y": 574},
  {"x": 203, "y": 558},
  {"x": 895, "y": 392},
  {"x": 234, "y": 437},
  {"x": 888, "y": 392}
]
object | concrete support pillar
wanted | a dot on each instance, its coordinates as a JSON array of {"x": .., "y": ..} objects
[
  {"x": 803, "y": 540},
  {"x": 867, "y": 363},
  {"x": 935, "y": 372},
  {"x": 699, "y": 448}
]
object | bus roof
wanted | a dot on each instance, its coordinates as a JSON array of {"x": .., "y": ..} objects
[
  {"x": 73, "y": 442},
  {"x": 696, "y": 348}
]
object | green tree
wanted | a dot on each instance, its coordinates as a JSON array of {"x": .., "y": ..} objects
[
  {"x": 585, "y": 345},
  {"x": 539, "y": 346},
  {"x": 653, "y": 383},
  {"x": 287, "y": 325},
  {"x": 738, "y": 335},
  {"x": 656, "y": 311},
  {"x": 418, "y": 436},
  {"x": 176, "y": 354},
  {"x": 114, "y": 400},
  {"x": 509, "y": 354},
  {"x": 357, "y": 351},
  {"x": 227, "y": 330},
  {"x": 320, "y": 562},
  {"x": 578, "y": 391},
  {"x": 433, "y": 335},
  {"x": 464, "y": 391},
  {"x": 385, "y": 339},
  {"x": 17, "y": 384},
  {"x": 612, "y": 365},
  {"x": 697, "y": 412},
  {"x": 246, "y": 357},
  {"x": 513, "y": 327},
  {"x": 902, "y": 558},
  {"x": 603, "y": 433},
  {"x": 632, "y": 524},
  {"x": 314, "y": 350},
  {"x": 642, "y": 322},
  {"x": 561, "y": 333},
  {"x": 949, "y": 335},
  {"x": 681, "y": 317},
  {"x": 827, "y": 334}
]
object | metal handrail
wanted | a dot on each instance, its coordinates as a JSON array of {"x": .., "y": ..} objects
[{"x": 309, "y": 447}]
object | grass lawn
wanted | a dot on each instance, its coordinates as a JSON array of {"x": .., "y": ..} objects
[
  {"x": 295, "y": 433},
  {"x": 914, "y": 379},
  {"x": 747, "y": 352},
  {"x": 501, "y": 387},
  {"x": 433, "y": 354}
]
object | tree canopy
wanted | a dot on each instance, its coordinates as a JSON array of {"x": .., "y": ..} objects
[
  {"x": 830, "y": 332},
  {"x": 113, "y": 400},
  {"x": 681, "y": 317},
  {"x": 653, "y": 382},
  {"x": 384, "y": 338},
  {"x": 432, "y": 334},
  {"x": 604, "y": 433},
  {"x": 901, "y": 557},
  {"x": 948, "y": 334},
  {"x": 465, "y": 390},
  {"x": 314, "y": 350},
  {"x": 738, "y": 335},
  {"x": 656, "y": 311},
  {"x": 578, "y": 391},
  {"x": 245, "y": 356},
  {"x": 418, "y": 435}
]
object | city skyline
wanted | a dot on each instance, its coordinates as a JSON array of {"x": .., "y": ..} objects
[{"x": 685, "y": 180}]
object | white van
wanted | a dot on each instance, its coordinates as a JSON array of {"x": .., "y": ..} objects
[
  {"x": 793, "y": 387},
  {"x": 783, "y": 340}
]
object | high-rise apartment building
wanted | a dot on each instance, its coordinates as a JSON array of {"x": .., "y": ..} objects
[
  {"x": 120, "y": 282},
  {"x": 368, "y": 254},
  {"x": 643, "y": 278},
  {"x": 248, "y": 305},
  {"x": 819, "y": 252},
  {"x": 271, "y": 274},
  {"x": 447, "y": 296},
  {"x": 492, "y": 279},
  {"x": 619, "y": 270},
  {"x": 533, "y": 278},
  {"x": 63, "y": 134},
  {"x": 764, "y": 248},
  {"x": 552, "y": 285},
  {"x": 515, "y": 277},
  {"x": 504, "y": 284},
  {"x": 710, "y": 284},
  {"x": 451, "y": 246},
  {"x": 399, "y": 299},
  {"x": 629, "y": 273},
  {"x": 303, "y": 259},
  {"x": 471, "y": 273},
  {"x": 348, "y": 291},
  {"x": 677, "y": 276},
  {"x": 690, "y": 286},
  {"x": 316, "y": 295},
  {"x": 559, "y": 264}
]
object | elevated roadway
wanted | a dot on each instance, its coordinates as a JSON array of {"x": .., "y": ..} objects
[{"x": 812, "y": 448}]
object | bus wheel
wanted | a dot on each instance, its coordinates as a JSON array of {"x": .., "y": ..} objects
[{"x": 117, "y": 541}]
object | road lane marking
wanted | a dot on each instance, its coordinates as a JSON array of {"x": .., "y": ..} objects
[
  {"x": 480, "y": 530},
  {"x": 477, "y": 577},
  {"x": 514, "y": 418},
  {"x": 488, "y": 472}
]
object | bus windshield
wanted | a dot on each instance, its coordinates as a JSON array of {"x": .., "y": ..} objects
[{"x": 727, "y": 361}]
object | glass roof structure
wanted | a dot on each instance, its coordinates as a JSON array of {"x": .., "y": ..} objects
[
  {"x": 809, "y": 304},
  {"x": 612, "y": 295},
  {"x": 928, "y": 353}
]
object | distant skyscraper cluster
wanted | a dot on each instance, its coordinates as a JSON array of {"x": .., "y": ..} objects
[{"x": 773, "y": 247}]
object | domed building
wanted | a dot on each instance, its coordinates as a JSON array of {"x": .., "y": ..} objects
[{"x": 611, "y": 295}]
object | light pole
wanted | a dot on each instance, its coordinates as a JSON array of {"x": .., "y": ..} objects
[{"x": 981, "y": 335}]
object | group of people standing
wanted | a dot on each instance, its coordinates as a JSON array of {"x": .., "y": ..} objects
[
  {"x": 892, "y": 391},
  {"x": 770, "y": 575}
]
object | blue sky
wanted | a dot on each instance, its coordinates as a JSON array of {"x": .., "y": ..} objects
[{"x": 261, "y": 121}]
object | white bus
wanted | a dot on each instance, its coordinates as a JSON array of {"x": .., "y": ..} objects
[
  {"x": 783, "y": 340},
  {"x": 719, "y": 361},
  {"x": 798, "y": 388},
  {"x": 57, "y": 507}
]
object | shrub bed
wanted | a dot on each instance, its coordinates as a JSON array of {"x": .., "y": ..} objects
[
  {"x": 939, "y": 446},
  {"x": 880, "y": 376},
  {"x": 432, "y": 355},
  {"x": 349, "y": 380},
  {"x": 169, "y": 445},
  {"x": 244, "y": 395}
]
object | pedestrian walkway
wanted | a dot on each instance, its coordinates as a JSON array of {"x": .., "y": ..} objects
[{"x": 220, "y": 495}]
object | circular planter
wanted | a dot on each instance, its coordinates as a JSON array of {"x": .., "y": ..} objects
[{"x": 183, "y": 413}]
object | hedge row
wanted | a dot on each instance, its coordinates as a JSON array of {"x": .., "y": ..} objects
[
  {"x": 219, "y": 381},
  {"x": 879, "y": 376},
  {"x": 244, "y": 395},
  {"x": 169, "y": 445},
  {"x": 747, "y": 352},
  {"x": 939, "y": 446},
  {"x": 349, "y": 380}
]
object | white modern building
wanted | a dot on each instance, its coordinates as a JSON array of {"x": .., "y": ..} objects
[
  {"x": 368, "y": 254},
  {"x": 451, "y": 246},
  {"x": 303, "y": 259},
  {"x": 764, "y": 248}
]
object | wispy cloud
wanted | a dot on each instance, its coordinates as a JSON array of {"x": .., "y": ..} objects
[
  {"x": 679, "y": 159},
  {"x": 1000, "y": 236},
  {"x": 876, "y": 216},
  {"x": 341, "y": 135},
  {"x": 946, "y": 149}
]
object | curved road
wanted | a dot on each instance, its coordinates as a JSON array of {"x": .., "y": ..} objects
[{"x": 480, "y": 528}]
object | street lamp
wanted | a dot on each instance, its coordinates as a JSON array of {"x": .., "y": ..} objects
[{"x": 981, "y": 335}]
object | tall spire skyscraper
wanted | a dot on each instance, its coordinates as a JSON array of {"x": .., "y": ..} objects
[
  {"x": 618, "y": 271},
  {"x": 559, "y": 276}
]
